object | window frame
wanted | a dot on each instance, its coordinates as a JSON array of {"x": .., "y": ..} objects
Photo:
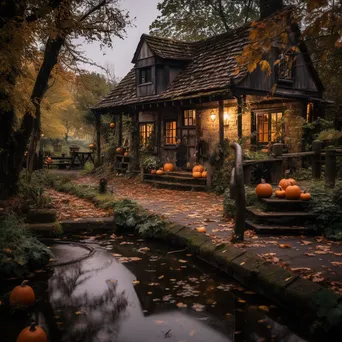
[
  {"x": 192, "y": 118},
  {"x": 282, "y": 57},
  {"x": 269, "y": 113},
  {"x": 148, "y": 77},
  {"x": 141, "y": 124},
  {"x": 166, "y": 137}
]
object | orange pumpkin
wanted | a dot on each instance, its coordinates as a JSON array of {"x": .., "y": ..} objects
[
  {"x": 280, "y": 193},
  {"x": 264, "y": 190},
  {"x": 284, "y": 183},
  {"x": 153, "y": 172},
  {"x": 22, "y": 295},
  {"x": 91, "y": 146},
  {"x": 291, "y": 180},
  {"x": 292, "y": 192},
  {"x": 168, "y": 167},
  {"x": 33, "y": 333},
  {"x": 204, "y": 174},
  {"x": 197, "y": 174},
  {"x": 198, "y": 168},
  {"x": 112, "y": 125},
  {"x": 126, "y": 154},
  {"x": 119, "y": 150},
  {"x": 159, "y": 172},
  {"x": 305, "y": 196},
  {"x": 201, "y": 229},
  {"x": 49, "y": 160}
]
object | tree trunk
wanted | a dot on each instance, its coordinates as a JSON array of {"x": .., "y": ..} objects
[{"x": 31, "y": 121}]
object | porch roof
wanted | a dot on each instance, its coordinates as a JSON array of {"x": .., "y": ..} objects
[{"x": 211, "y": 69}]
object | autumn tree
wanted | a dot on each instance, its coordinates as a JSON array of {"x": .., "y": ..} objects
[
  {"x": 57, "y": 23},
  {"x": 198, "y": 19}
]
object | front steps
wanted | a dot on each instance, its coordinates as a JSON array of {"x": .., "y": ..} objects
[
  {"x": 280, "y": 216},
  {"x": 178, "y": 180}
]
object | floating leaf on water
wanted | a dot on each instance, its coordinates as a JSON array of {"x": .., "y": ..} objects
[
  {"x": 198, "y": 307},
  {"x": 114, "y": 281},
  {"x": 158, "y": 322},
  {"x": 161, "y": 277},
  {"x": 135, "y": 282},
  {"x": 181, "y": 305},
  {"x": 284, "y": 245},
  {"x": 241, "y": 301},
  {"x": 182, "y": 261},
  {"x": 263, "y": 308}
]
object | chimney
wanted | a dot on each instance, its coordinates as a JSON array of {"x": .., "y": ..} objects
[{"x": 269, "y": 7}]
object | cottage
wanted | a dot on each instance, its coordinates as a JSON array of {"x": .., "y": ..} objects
[{"x": 188, "y": 94}]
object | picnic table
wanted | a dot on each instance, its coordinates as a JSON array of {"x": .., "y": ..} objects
[{"x": 82, "y": 157}]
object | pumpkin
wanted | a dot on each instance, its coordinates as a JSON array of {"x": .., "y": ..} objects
[
  {"x": 305, "y": 196},
  {"x": 119, "y": 150},
  {"x": 264, "y": 190},
  {"x": 22, "y": 295},
  {"x": 197, "y": 174},
  {"x": 292, "y": 192},
  {"x": 112, "y": 125},
  {"x": 280, "y": 193},
  {"x": 204, "y": 174},
  {"x": 198, "y": 168},
  {"x": 168, "y": 167},
  {"x": 126, "y": 154},
  {"x": 201, "y": 229},
  {"x": 188, "y": 165},
  {"x": 49, "y": 160},
  {"x": 159, "y": 172},
  {"x": 284, "y": 183},
  {"x": 153, "y": 172},
  {"x": 33, "y": 333},
  {"x": 91, "y": 146},
  {"x": 291, "y": 180}
]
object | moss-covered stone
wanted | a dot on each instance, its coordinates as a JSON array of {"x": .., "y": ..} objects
[
  {"x": 206, "y": 251},
  {"x": 223, "y": 257},
  {"x": 324, "y": 300},
  {"x": 192, "y": 238},
  {"x": 300, "y": 292},
  {"x": 41, "y": 215},
  {"x": 46, "y": 229}
]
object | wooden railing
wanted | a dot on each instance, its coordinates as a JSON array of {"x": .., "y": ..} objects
[{"x": 277, "y": 164}]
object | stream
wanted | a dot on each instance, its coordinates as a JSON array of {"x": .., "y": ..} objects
[{"x": 126, "y": 289}]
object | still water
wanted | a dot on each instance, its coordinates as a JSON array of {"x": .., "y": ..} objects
[{"x": 131, "y": 290}]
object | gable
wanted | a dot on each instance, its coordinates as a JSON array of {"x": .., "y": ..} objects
[{"x": 145, "y": 52}]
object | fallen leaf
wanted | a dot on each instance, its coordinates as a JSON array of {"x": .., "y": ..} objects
[
  {"x": 304, "y": 242},
  {"x": 284, "y": 245},
  {"x": 161, "y": 277},
  {"x": 135, "y": 282},
  {"x": 182, "y": 261},
  {"x": 263, "y": 308},
  {"x": 336, "y": 263},
  {"x": 181, "y": 305}
]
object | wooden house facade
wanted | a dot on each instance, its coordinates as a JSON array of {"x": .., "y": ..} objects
[{"x": 189, "y": 94}]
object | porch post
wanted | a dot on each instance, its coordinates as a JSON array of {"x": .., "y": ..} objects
[
  {"x": 136, "y": 137},
  {"x": 221, "y": 121},
  {"x": 98, "y": 138},
  {"x": 239, "y": 118},
  {"x": 158, "y": 133},
  {"x": 120, "y": 130}
]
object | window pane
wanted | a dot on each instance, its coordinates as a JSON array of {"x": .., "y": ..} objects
[{"x": 170, "y": 132}]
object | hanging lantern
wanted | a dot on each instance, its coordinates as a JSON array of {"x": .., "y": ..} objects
[{"x": 213, "y": 116}]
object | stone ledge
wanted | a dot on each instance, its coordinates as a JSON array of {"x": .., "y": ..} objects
[
  {"x": 88, "y": 224},
  {"x": 45, "y": 229}
]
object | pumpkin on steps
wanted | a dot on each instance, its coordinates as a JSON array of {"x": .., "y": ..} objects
[
  {"x": 49, "y": 160},
  {"x": 159, "y": 172},
  {"x": 168, "y": 167},
  {"x": 119, "y": 150},
  {"x": 305, "y": 196},
  {"x": 198, "y": 168},
  {"x": 197, "y": 174},
  {"x": 204, "y": 174},
  {"x": 264, "y": 190},
  {"x": 33, "y": 333},
  {"x": 292, "y": 192},
  {"x": 280, "y": 193},
  {"x": 153, "y": 172},
  {"x": 22, "y": 295}
]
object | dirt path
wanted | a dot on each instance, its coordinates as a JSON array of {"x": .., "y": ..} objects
[{"x": 313, "y": 258}]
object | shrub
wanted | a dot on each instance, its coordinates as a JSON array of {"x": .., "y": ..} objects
[
  {"x": 148, "y": 162},
  {"x": 88, "y": 167},
  {"x": 326, "y": 205},
  {"x": 20, "y": 251}
]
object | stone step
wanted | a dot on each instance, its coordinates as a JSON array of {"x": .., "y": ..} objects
[
  {"x": 176, "y": 186},
  {"x": 281, "y": 218},
  {"x": 185, "y": 174},
  {"x": 274, "y": 229},
  {"x": 279, "y": 204},
  {"x": 171, "y": 178}
]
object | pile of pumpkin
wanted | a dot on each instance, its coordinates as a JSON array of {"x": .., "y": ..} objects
[
  {"x": 121, "y": 151},
  {"x": 21, "y": 297},
  {"x": 288, "y": 189},
  {"x": 168, "y": 167},
  {"x": 199, "y": 172}
]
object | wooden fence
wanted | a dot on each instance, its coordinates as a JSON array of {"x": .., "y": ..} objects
[{"x": 278, "y": 164}]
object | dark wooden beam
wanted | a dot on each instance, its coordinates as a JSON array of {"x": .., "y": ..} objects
[
  {"x": 98, "y": 138},
  {"x": 120, "y": 130},
  {"x": 239, "y": 118},
  {"x": 158, "y": 133},
  {"x": 221, "y": 121}
]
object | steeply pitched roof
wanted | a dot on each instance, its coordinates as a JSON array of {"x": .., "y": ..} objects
[
  {"x": 167, "y": 48},
  {"x": 212, "y": 67}
]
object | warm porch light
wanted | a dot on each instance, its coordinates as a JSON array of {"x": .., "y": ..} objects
[
  {"x": 226, "y": 118},
  {"x": 213, "y": 116}
]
